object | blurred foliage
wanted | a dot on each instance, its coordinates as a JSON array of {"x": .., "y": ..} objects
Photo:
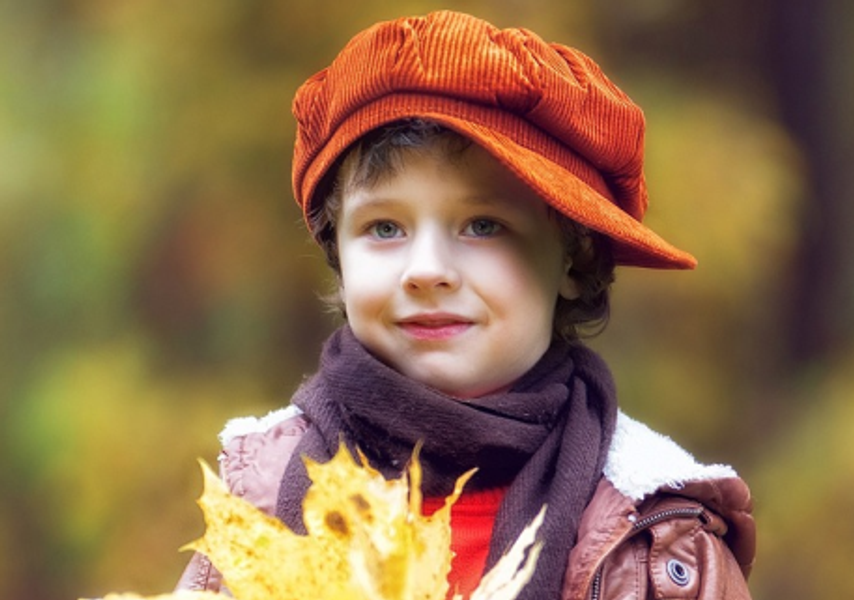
[{"x": 156, "y": 279}]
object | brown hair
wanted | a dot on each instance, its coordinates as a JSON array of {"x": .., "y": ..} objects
[{"x": 379, "y": 154}]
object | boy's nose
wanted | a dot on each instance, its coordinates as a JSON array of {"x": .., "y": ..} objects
[{"x": 430, "y": 265}]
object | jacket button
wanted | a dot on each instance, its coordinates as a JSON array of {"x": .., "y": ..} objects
[{"x": 678, "y": 572}]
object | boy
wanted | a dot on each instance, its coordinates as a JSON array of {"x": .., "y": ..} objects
[{"x": 473, "y": 190}]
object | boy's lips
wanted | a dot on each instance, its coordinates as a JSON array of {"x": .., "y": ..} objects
[{"x": 435, "y": 326}]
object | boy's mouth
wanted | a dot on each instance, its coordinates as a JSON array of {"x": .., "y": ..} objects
[{"x": 435, "y": 327}]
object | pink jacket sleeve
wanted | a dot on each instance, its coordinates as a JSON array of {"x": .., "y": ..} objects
[{"x": 252, "y": 463}]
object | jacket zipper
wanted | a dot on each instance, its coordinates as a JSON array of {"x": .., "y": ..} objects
[{"x": 644, "y": 523}]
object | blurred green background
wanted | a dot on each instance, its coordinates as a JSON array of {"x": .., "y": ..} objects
[{"x": 156, "y": 280}]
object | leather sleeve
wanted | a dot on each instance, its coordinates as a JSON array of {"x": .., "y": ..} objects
[
  {"x": 200, "y": 575},
  {"x": 676, "y": 558}
]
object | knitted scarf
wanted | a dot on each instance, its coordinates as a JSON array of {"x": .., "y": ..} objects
[{"x": 546, "y": 438}]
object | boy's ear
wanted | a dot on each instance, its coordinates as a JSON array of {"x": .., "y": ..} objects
[{"x": 568, "y": 289}]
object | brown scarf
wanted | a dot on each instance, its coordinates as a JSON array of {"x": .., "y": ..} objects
[{"x": 547, "y": 438}]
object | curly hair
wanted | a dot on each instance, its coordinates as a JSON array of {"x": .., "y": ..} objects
[{"x": 380, "y": 154}]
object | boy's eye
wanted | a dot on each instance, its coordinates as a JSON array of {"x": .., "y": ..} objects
[
  {"x": 483, "y": 228},
  {"x": 384, "y": 230}
]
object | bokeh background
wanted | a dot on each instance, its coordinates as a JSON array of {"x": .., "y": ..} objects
[{"x": 156, "y": 280}]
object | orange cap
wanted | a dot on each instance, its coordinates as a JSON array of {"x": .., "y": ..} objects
[{"x": 547, "y": 112}]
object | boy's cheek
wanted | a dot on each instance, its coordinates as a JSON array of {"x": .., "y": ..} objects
[
  {"x": 364, "y": 274},
  {"x": 364, "y": 294}
]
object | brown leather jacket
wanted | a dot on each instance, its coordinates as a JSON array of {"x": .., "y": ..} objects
[{"x": 660, "y": 525}]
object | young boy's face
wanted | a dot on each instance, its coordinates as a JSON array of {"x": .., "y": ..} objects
[{"x": 450, "y": 272}]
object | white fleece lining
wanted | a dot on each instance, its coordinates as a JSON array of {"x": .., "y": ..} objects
[
  {"x": 245, "y": 425},
  {"x": 640, "y": 460}
]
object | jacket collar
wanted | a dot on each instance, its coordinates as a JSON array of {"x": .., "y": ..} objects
[{"x": 642, "y": 461}]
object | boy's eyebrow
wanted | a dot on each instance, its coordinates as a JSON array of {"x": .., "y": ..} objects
[
  {"x": 496, "y": 199},
  {"x": 360, "y": 202},
  {"x": 369, "y": 201}
]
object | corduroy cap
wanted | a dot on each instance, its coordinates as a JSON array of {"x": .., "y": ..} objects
[{"x": 546, "y": 111}]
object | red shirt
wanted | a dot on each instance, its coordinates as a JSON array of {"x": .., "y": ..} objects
[{"x": 472, "y": 518}]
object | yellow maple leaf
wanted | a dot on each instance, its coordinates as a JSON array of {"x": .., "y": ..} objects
[{"x": 367, "y": 540}]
